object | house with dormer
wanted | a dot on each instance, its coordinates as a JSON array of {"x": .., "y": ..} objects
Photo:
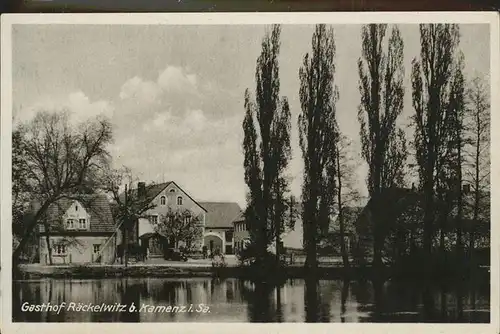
[
  {"x": 82, "y": 229},
  {"x": 78, "y": 230}
]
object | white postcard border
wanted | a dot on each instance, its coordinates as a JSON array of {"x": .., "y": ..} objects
[{"x": 8, "y": 20}]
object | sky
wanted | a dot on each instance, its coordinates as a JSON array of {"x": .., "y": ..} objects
[{"x": 174, "y": 94}]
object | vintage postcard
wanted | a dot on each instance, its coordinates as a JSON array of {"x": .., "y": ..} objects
[{"x": 187, "y": 171}]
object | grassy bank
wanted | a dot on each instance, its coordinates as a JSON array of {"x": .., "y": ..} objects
[
  {"x": 138, "y": 270},
  {"x": 110, "y": 271},
  {"x": 253, "y": 273}
]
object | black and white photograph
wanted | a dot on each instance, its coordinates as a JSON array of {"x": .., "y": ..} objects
[{"x": 318, "y": 171}]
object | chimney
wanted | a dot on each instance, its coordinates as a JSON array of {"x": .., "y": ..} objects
[
  {"x": 141, "y": 189},
  {"x": 466, "y": 188}
]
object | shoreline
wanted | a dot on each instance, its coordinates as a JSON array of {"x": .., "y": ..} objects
[{"x": 37, "y": 271}]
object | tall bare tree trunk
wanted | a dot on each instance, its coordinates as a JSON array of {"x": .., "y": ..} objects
[
  {"x": 125, "y": 245},
  {"x": 125, "y": 229},
  {"x": 477, "y": 157},
  {"x": 343, "y": 248},
  {"x": 47, "y": 241},
  {"x": 460, "y": 199}
]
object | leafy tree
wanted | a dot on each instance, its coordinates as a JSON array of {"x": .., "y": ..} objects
[
  {"x": 267, "y": 150},
  {"x": 317, "y": 131},
  {"x": 21, "y": 194},
  {"x": 60, "y": 160},
  {"x": 180, "y": 226},
  {"x": 431, "y": 81},
  {"x": 381, "y": 75}
]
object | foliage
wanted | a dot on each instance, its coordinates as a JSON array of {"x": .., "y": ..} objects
[
  {"x": 317, "y": 135},
  {"x": 381, "y": 85},
  {"x": 266, "y": 147},
  {"x": 180, "y": 226},
  {"x": 432, "y": 77},
  {"x": 251, "y": 255},
  {"x": 383, "y": 145},
  {"x": 55, "y": 159}
]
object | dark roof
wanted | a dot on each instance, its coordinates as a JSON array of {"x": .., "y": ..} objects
[
  {"x": 154, "y": 190},
  {"x": 98, "y": 206},
  {"x": 297, "y": 212},
  {"x": 398, "y": 201},
  {"x": 221, "y": 214}
]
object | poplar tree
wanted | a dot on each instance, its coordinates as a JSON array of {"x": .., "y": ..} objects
[
  {"x": 381, "y": 74},
  {"x": 318, "y": 133},
  {"x": 267, "y": 150},
  {"x": 431, "y": 81}
]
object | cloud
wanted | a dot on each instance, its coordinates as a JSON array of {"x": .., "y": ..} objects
[
  {"x": 175, "y": 79},
  {"x": 195, "y": 120},
  {"x": 175, "y": 126},
  {"x": 137, "y": 88},
  {"x": 79, "y": 106},
  {"x": 172, "y": 81}
]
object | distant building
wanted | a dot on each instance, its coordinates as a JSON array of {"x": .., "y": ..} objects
[
  {"x": 79, "y": 231},
  {"x": 219, "y": 227},
  {"x": 291, "y": 239},
  {"x": 331, "y": 244},
  {"x": 241, "y": 233},
  {"x": 216, "y": 219},
  {"x": 403, "y": 217}
]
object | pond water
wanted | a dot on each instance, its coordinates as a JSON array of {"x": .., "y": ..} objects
[{"x": 234, "y": 300}]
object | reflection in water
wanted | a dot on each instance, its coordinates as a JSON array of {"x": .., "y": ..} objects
[
  {"x": 215, "y": 300},
  {"x": 344, "y": 295},
  {"x": 311, "y": 300}
]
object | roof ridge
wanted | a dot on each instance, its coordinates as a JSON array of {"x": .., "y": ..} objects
[{"x": 220, "y": 202}]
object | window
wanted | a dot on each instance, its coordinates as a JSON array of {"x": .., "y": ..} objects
[
  {"x": 97, "y": 248},
  {"x": 82, "y": 224},
  {"x": 172, "y": 190},
  {"x": 153, "y": 219},
  {"x": 70, "y": 224},
  {"x": 76, "y": 207},
  {"x": 163, "y": 200},
  {"x": 187, "y": 219},
  {"x": 60, "y": 249},
  {"x": 179, "y": 200},
  {"x": 229, "y": 236}
]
